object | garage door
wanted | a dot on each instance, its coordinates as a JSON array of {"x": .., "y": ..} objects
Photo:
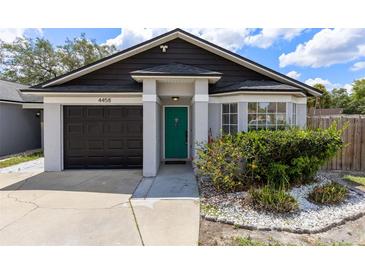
[{"x": 98, "y": 137}]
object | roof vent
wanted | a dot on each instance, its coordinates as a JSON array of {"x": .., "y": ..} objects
[{"x": 164, "y": 48}]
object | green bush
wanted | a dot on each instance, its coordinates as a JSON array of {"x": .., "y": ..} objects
[
  {"x": 279, "y": 158},
  {"x": 332, "y": 193},
  {"x": 270, "y": 199}
]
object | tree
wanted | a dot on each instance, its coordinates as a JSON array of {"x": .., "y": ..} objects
[
  {"x": 324, "y": 101},
  {"x": 356, "y": 104},
  {"x": 358, "y": 89},
  {"x": 29, "y": 61},
  {"x": 340, "y": 98},
  {"x": 81, "y": 51}
]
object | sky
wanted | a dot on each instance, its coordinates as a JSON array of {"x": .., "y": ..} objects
[{"x": 333, "y": 57}]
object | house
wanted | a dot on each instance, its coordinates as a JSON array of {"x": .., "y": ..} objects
[
  {"x": 20, "y": 119},
  {"x": 155, "y": 101}
]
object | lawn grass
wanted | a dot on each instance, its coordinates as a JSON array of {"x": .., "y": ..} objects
[
  {"x": 355, "y": 179},
  {"x": 20, "y": 159},
  {"x": 248, "y": 241}
]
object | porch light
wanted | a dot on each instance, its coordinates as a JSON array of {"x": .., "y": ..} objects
[{"x": 176, "y": 98}]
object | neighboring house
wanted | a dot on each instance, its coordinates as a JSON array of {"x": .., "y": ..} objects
[
  {"x": 156, "y": 100},
  {"x": 20, "y": 119}
]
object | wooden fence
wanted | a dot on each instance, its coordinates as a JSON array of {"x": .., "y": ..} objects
[{"x": 352, "y": 156}]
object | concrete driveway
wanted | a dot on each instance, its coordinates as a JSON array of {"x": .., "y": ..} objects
[
  {"x": 95, "y": 207},
  {"x": 68, "y": 208}
]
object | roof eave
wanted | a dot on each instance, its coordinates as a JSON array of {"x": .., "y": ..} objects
[
  {"x": 238, "y": 92},
  {"x": 140, "y": 77}
]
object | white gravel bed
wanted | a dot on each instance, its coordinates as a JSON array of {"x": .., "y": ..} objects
[{"x": 310, "y": 218}]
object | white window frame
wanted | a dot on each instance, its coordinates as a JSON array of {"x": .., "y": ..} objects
[
  {"x": 294, "y": 115},
  {"x": 229, "y": 113},
  {"x": 266, "y": 113}
]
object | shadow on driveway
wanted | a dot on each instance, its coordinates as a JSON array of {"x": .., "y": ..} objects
[{"x": 100, "y": 181}]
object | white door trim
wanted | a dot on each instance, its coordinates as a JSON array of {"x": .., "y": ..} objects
[{"x": 163, "y": 130}]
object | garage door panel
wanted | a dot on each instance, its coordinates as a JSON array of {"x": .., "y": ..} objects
[
  {"x": 94, "y": 128},
  {"x": 75, "y": 112},
  {"x": 134, "y": 162},
  {"x": 76, "y": 145},
  {"x": 76, "y": 161},
  {"x": 113, "y": 127},
  {"x": 134, "y": 129},
  {"x": 94, "y": 113},
  {"x": 115, "y": 113},
  {"x": 134, "y": 144},
  {"x": 103, "y": 137},
  {"x": 116, "y": 144},
  {"x": 134, "y": 113},
  {"x": 95, "y": 145},
  {"x": 75, "y": 128}
]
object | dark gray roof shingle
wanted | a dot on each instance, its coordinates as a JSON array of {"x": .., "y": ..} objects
[
  {"x": 255, "y": 85},
  {"x": 10, "y": 92},
  {"x": 137, "y": 87},
  {"x": 176, "y": 69}
]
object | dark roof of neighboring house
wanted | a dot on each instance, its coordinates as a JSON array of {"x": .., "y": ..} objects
[
  {"x": 10, "y": 92},
  {"x": 176, "y": 69},
  {"x": 252, "y": 85}
]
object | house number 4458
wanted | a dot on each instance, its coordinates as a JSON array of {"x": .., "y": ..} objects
[{"x": 104, "y": 100}]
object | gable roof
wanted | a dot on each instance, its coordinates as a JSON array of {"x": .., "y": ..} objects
[
  {"x": 173, "y": 34},
  {"x": 10, "y": 92}
]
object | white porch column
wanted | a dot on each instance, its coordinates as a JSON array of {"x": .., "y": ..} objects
[
  {"x": 151, "y": 131},
  {"x": 53, "y": 139},
  {"x": 200, "y": 113}
]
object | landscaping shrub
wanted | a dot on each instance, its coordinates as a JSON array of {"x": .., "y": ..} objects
[
  {"x": 270, "y": 199},
  {"x": 332, "y": 193},
  {"x": 278, "y": 158}
]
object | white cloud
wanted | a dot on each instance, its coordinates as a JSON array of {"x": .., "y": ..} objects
[
  {"x": 348, "y": 87},
  {"x": 129, "y": 37},
  {"x": 325, "y": 82},
  {"x": 293, "y": 74},
  {"x": 229, "y": 38},
  {"x": 9, "y": 35},
  {"x": 232, "y": 39},
  {"x": 327, "y": 47},
  {"x": 358, "y": 66},
  {"x": 268, "y": 36},
  {"x": 328, "y": 84}
]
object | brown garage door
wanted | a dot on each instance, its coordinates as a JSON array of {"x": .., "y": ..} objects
[{"x": 102, "y": 137}]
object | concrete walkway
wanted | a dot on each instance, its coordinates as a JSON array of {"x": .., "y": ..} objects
[{"x": 167, "y": 207}]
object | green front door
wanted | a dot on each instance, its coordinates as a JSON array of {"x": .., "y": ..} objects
[{"x": 176, "y": 132}]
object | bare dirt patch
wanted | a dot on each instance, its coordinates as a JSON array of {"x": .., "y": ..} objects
[{"x": 215, "y": 233}]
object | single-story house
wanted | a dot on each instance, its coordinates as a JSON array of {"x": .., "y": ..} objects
[
  {"x": 155, "y": 101},
  {"x": 20, "y": 119}
]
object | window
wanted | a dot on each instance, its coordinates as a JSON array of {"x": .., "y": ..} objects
[
  {"x": 266, "y": 115},
  {"x": 294, "y": 115},
  {"x": 230, "y": 118}
]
